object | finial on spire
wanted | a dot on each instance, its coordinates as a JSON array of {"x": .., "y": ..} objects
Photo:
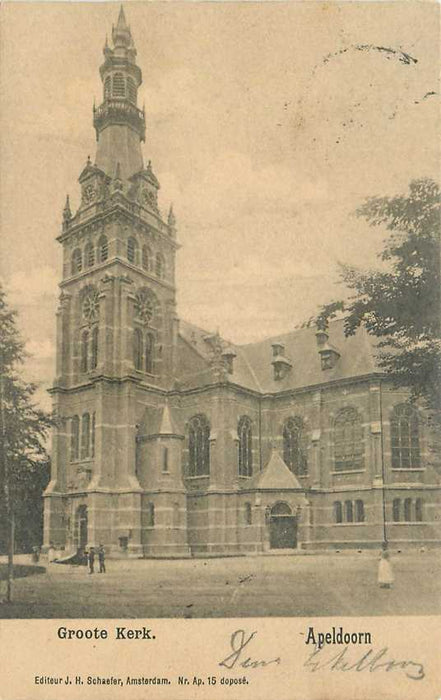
[{"x": 121, "y": 24}]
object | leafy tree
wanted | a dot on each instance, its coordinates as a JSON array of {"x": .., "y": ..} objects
[
  {"x": 401, "y": 305},
  {"x": 23, "y": 431}
]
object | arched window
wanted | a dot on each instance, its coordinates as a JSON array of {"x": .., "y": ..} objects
[
  {"x": 146, "y": 257},
  {"x": 85, "y": 351},
  {"x": 131, "y": 90},
  {"x": 75, "y": 438},
  {"x": 419, "y": 510},
  {"x": 89, "y": 255},
  {"x": 94, "y": 349},
  {"x": 348, "y": 440},
  {"x": 159, "y": 266},
  {"x": 248, "y": 514},
  {"x": 103, "y": 249},
  {"x": 338, "y": 512},
  {"x": 119, "y": 87},
  {"x": 137, "y": 348},
  {"x": 85, "y": 436},
  {"x": 151, "y": 515},
  {"x": 359, "y": 511},
  {"x": 244, "y": 432},
  {"x": 165, "y": 459},
  {"x": 149, "y": 352},
  {"x": 294, "y": 453},
  {"x": 77, "y": 261},
  {"x": 107, "y": 87},
  {"x": 407, "y": 510},
  {"x": 405, "y": 440},
  {"x": 199, "y": 446},
  {"x": 349, "y": 512},
  {"x": 396, "y": 508},
  {"x": 92, "y": 437},
  {"x": 132, "y": 249}
]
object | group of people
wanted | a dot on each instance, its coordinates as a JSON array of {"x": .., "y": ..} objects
[{"x": 90, "y": 555}]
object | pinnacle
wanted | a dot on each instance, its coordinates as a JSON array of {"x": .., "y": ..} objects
[{"x": 121, "y": 24}]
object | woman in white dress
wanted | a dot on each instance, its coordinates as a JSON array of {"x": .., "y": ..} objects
[{"x": 385, "y": 573}]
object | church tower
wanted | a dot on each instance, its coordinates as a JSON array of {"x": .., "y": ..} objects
[{"x": 116, "y": 321}]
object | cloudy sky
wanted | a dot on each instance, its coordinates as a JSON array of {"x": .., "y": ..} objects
[{"x": 267, "y": 124}]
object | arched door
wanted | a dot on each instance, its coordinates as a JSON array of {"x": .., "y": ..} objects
[{"x": 282, "y": 527}]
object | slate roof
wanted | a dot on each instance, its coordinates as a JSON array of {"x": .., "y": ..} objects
[{"x": 253, "y": 367}]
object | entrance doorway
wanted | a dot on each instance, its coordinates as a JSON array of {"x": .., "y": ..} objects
[
  {"x": 282, "y": 527},
  {"x": 82, "y": 526}
]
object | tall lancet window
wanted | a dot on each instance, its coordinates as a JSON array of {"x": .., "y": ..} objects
[
  {"x": 149, "y": 352},
  {"x": 85, "y": 351},
  {"x": 89, "y": 255},
  {"x": 199, "y": 446},
  {"x": 294, "y": 451},
  {"x": 137, "y": 348},
  {"x": 131, "y": 90},
  {"x": 75, "y": 438},
  {"x": 132, "y": 249},
  {"x": 77, "y": 261},
  {"x": 94, "y": 349},
  {"x": 146, "y": 257},
  {"x": 348, "y": 440},
  {"x": 159, "y": 267},
  {"x": 245, "y": 435},
  {"x": 103, "y": 249},
  {"x": 85, "y": 436}
]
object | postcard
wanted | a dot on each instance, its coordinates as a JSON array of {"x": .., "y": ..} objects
[{"x": 219, "y": 350}]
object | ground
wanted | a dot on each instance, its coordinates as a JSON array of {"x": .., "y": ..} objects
[{"x": 316, "y": 585}]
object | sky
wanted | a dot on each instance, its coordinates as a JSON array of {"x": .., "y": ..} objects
[{"x": 267, "y": 125}]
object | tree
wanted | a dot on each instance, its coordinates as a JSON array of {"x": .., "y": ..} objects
[
  {"x": 402, "y": 304},
  {"x": 23, "y": 430}
]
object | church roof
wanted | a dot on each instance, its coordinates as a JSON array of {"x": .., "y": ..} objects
[
  {"x": 167, "y": 426},
  {"x": 253, "y": 369},
  {"x": 275, "y": 476},
  {"x": 159, "y": 420}
]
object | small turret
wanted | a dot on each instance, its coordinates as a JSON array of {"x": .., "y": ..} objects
[
  {"x": 171, "y": 221},
  {"x": 67, "y": 213}
]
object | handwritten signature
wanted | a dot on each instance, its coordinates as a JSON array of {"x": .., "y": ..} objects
[
  {"x": 370, "y": 660},
  {"x": 239, "y": 640},
  {"x": 323, "y": 658}
]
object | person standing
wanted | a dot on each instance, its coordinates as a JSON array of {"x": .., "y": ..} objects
[
  {"x": 91, "y": 559},
  {"x": 101, "y": 559},
  {"x": 385, "y": 573}
]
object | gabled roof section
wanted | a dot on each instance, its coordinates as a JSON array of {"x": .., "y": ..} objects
[
  {"x": 159, "y": 420},
  {"x": 274, "y": 477}
]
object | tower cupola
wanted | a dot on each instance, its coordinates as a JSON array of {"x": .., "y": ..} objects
[{"x": 119, "y": 124}]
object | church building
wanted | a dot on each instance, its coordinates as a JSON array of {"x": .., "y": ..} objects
[{"x": 171, "y": 441}]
